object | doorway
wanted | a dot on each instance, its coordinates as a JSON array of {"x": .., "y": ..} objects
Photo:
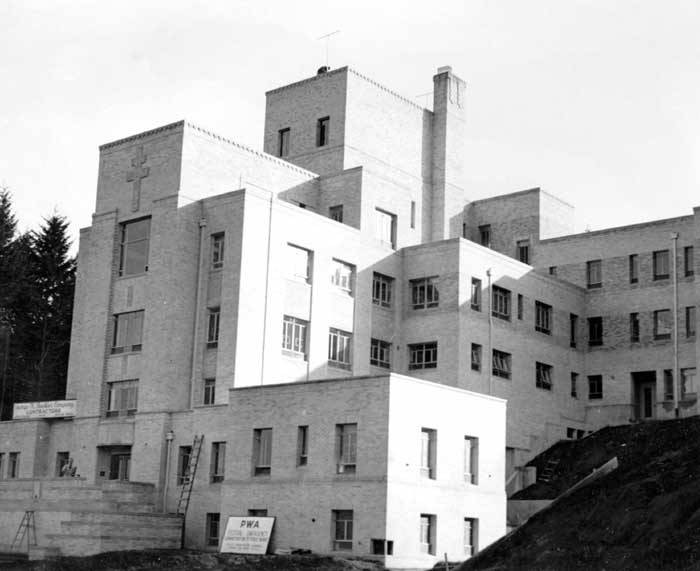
[{"x": 644, "y": 389}]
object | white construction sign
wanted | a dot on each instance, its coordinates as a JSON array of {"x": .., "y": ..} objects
[
  {"x": 44, "y": 409},
  {"x": 247, "y": 535}
]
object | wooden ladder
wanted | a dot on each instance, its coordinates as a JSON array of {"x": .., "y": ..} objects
[
  {"x": 26, "y": 528},
  {"x": 188, "y": 479}
]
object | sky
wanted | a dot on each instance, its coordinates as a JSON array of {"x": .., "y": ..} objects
[{"x": 596, "y": 102}]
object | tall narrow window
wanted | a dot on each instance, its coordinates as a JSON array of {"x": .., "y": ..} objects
[
  {"x": 62, "y": 461},
  {"x": 634, "y": 327},
  {"x": 346, "y": 447},
  {"x": 595, "y": 331},
  {"x": 501, "y": 364},
  {"x": 302, "y": 445},
  {"x": 552, "y": 270},
  {"x": 688, "y": 261},
  {"x": 594, "y": 274},
  {"x": 128, "y": 329},
  {"x": 574, "y": 382},
  {"x": 382, "y": 287},
  {"x": 217, "y": 250},
  {"x": 262, "y": 451},
  {"x": 428, "y": 452},
  {"x": 213, "y": 327},
  {"x": 688, "y": 382},
  {"x": 663, "y": 324},
  {"x": 424, "y": 293},
  {"x": 336, "y": 213},
  {"x": 380, "y": 353},
  {"x": 413, "y": 213},
  {"x": 133, "y": 252},
  {"x": 573, "y": 329},
  {"x": 294, "y": 334},
  {"x": 209, "y": 391},
  {"x": 122, "y": 398},
  {"x": 339, "y": 348},
  {"x": 283, "y": 142},
  {"x": 690, "y": 321},
  {"x": 342, "y": 275},
  {"x": 520, "y": 306},
  {"x": 322, "y": 131},
  {"x": 2, "y": 465},
  {"x": 501, "y": 303},
  {"x": 485, "y": 235},
  {"x": 471, "y": 527},
  {"x": 218, "y": 458},
  {"x": 523, "y": 248},
  {"x": 661, "y": 265},
  {"x": 668, "y": 384},
  {"x": 183, "y": 464},
  {"x": 634, "y": 268},
  {"x": 342, "y": 530},
  {"x": 298, "y": 263},
  {"x": 476, "y": 294},
  {"x": 212, "y": 529},
  {"x": 543, "y": 318},
  {"x": 543, "y": 376},
  {"x": 385, "y": 227},
  {"x": 595, "y": 387},
  {"x": 427, "y": 533},
  {"x": 471, "y": 460},
  {"x": 13, "y": 465},
  {"x": 422, "y": 355},
  {"x": 476, "y": 357}
]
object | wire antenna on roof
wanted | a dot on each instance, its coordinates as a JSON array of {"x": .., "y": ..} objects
[{"x": 327, "y": 37}]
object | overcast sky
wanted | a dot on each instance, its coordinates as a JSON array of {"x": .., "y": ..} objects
[{"x": 597, "y": 102}]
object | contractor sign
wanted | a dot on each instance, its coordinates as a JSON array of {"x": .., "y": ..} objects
[{"x": 247, "y": 535}]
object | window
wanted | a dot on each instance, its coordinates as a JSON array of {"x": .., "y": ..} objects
[
  {"x": 662, "y": 324},
  {"x": 342, "y": 530},
  {"x": 380, "y": 353},
  {"x": 122, "y": 398},
  {"x": 476, "y": 294},
  {"x": 687, "y": 382},
  {"x": 209, "y": 391},
  {"x": 339, "y": 348},
  {"x": 341, "y": 275},
  {"x": 595, "y": 387},
  {"x": 262, "y": 451},
  {"x": 259, "y": 512},
  {"x": 476, "y": 357},
  {"x": 634, "y": 268},
  {"x": 62, "y": 460},
  {"x": 595, "y": 331},
  {"x": 413, "y": 213},
  {"x": 690, "y": 321},
  {"x": 13, "y": 465},
  {"x": 302, "y": 445},
  {"x": 424, "y": 293},
  {"x": 218, "y": 457},
  {"x": 427, "y": 533},
  {"x": 573, "y": 329},
  {"x": 668, "y": 384},
  {"x": 298, "y": 263},
  {"x": 543, "y": 376},
  {"x": 382, "y": 547},
  {"x": 423, "y": 355},
  {"x": 688, "y": 261},
  {"x": 346, "y": 447},
  {"x": 217, "y": 250},
  {"x": 322, "y": 126},
  {"x": 385, "y": 227},
  {"x": 213, "y": 327},
  {"x": 183, "y": 464},
  {"x": 574, "y": 382},
  {"x": 594, "y": 274},
  {"x": 552, "y": 270},
  {"x": 523, "y": 248},
  {"x": 543, "y": 317},
  {"x": 2, "y": 465},
  {"x": 485, "y": 235},
  {"x": 336, "y": 213},
  {"x": 471, "y": 526},
  {"x": 294, "y": 336},
  {"x": 133, "y": 252},
  {"x": 212, "y": 529},
  {"x": 428, "y": 452},
  {"x": 634, "y": 327},
  {"x": 501, "y": 303},
  {"x": 128, "y": 329},
  {"x": 471, "y": 460},
  {"x": 501, "y": 364},
  {"x": 283, "y": 142},
  {"x": 520, "y": 306},
  {"x": 382, "y": 287},
  {"x": 661, "y": 265}
]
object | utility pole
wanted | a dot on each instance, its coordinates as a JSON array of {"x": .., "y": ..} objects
[
  {"x": 327, "y": 38},
  {"x": 676, "y": 373}
]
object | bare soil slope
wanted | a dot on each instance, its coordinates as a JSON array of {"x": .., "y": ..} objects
[{"x": 644, "y": 515}]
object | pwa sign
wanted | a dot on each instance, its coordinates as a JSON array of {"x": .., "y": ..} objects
[{"x": 247, "y": 535}]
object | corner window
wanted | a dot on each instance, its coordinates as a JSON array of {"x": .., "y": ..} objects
[
  {"x": 668, "y": 384},
  {"x": 661, "y": 265},
  {"x": 13, "y": 465},
  {"x": 688, "y": 382},
  {"x": 634, "y": 268},
  {"x": 294, "y": 334},
  {"x": 382, "y": 287},
  {"x": 471, "y": 460},
  {"x": 322, "y": 131},
  {"x": 298, "y": 263},
  {"x": 212, "y": 529},
  {"x": 573, "y": 330},
  {"x": 209, "y": 391},
  {"x": 595, "y": 387},
  {"x": 133, "y": 251},
  {"x": 339, "y": 349},
  {"x": 476, "y": 357},
  {"x": 213, "y": 327},
  {"x": 424, "y": 293},
  {"x": 501, "y": 364},
  {"x": 380, "y": 353},
  {"x": 217, "y": 250},
  {"x": 262, "y": 451},
  {"x": 346, "y": 447},
  {"x": 574, "y": 383},
  {"x": 543, "y": 376},
  {"x": 336, "y": 213},
  {"x": 428, "y": 452},
  {"x": 283, "y": 142},
  {"x": 342, "y": 530},
  {"x": 218, "y": 458},
  {"x": 543, "y": 318},
  {"x": 663, "y": 324},
  {"x": 476, "y": 294},
  {"x": 427, "y": 533},
  {"x": 520, "y": 306},
  {"x": 413, "y": 213},
  {"x": 634, "y": 327},
  {"x": 423, "y": 356},
  {"x": 385, "y": 227},
  {"x": 595, "y": 331},
  {"x": 690, "y": 321},
  {"x": 594, "y": 274},
  {"x": 342, "y": 275},
  {"x": 501, "y": 303},
  {"x": 128, "y": 329},
  {"x": 471, "y": 528},
  {"x": 523, "y": 252},
  {"x": 122, "y": 398},
  {"x": 485, "y": 235},
  {"x": 688, "y": 261}
]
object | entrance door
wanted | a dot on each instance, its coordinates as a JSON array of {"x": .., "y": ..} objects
[
  {"x": 119, "y": 466},
  {"x": 645, "y": 394}
]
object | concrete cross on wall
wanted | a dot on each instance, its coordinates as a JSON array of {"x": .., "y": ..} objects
[{"x": 135, "y": 175}]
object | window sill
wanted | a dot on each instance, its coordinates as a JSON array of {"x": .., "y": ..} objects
[
  {"x": 212, "y": 344},
  {"x": 114, "y": 353},
  {"x": 127, "y": 276},
  {"x": 594, "y": 286},
  {"x": 501, "y": 316},
  {"x": 421, "y": 367},
  {"x": 340, "y": 366},
  {"x": 299, "y": 280},
  {"x": 301, "y": 357},
  {"x": 382, "y": 305}
]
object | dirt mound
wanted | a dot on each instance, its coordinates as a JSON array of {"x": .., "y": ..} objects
[{"x": 644, "y": 515}]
